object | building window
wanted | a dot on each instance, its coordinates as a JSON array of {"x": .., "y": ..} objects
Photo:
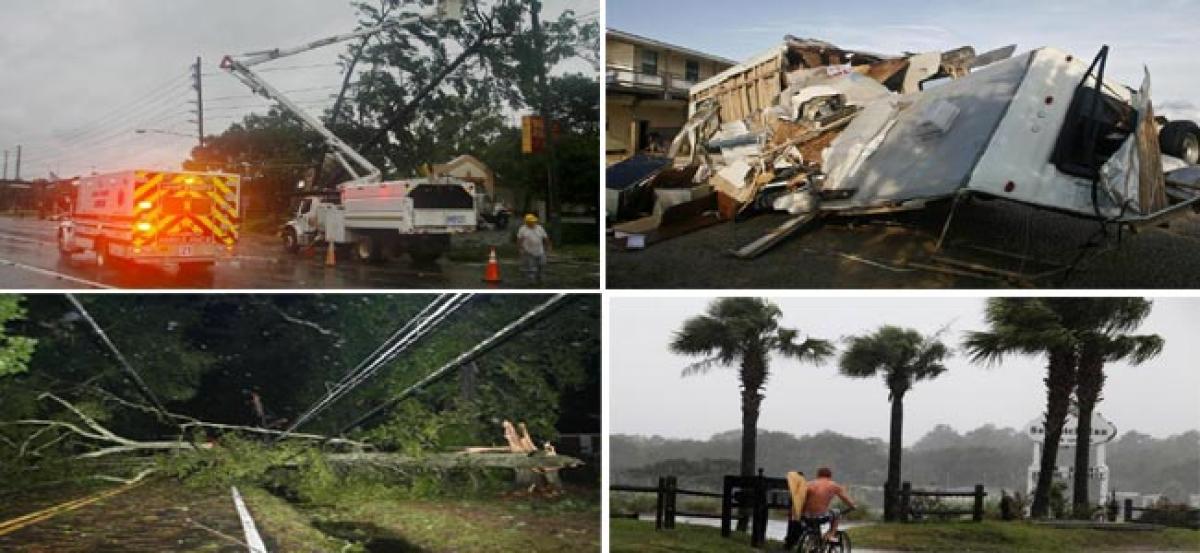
[
  {"x": 691, "y": 71},
  {"x": 649, "y": 62}
]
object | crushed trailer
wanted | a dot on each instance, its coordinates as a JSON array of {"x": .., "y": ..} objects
[{"x": 818, "y": 131}]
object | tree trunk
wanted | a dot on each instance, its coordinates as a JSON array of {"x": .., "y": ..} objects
[
  {"x": 895, "y": 449},
  {"x": 1060, "y": 382},
  {"x": 1091, "y": 381},
  {"x": 753, "y": 372}
]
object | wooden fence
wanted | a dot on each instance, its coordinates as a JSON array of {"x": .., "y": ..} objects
[
  {"x": 666, "y": 502},
  {"x": 910, "y": 510},
  {"x": 1185, "y": 518},
  {"x": 756, "y": 494}
]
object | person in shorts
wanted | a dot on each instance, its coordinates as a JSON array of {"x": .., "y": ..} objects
[
  {"x": 821, "y": 492},
  {"x": 533, "y": 244}
]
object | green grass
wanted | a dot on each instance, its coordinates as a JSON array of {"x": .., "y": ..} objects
[
  {"x": 995, "y": 536},
  {"x": 635, "y": 535},
  {"x": 382, "y": 523},
  {"x": 984, "y": 537},
  {"x": 469, "y": 525}
]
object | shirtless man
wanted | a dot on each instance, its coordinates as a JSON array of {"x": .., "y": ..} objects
[{"x": 821, "y": 492}]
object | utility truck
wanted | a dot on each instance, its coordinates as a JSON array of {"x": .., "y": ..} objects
[
  {"x": 375, "y": 216},
  {"x": 154, "y": 217}
]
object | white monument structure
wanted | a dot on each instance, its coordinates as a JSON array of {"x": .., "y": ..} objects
[{"x": 1103, "y": 432}]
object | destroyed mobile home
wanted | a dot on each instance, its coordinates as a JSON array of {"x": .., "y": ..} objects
[{"x": 811, "y": 129}]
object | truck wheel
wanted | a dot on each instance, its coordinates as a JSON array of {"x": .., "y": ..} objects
[
  {"x": 1182, "y": 140},
  {"x": 366, "y": 249},
  {"x": 103, "y": 259},
  {"x": 291, "y": 242},
  {"x": 502, "y": 222},
  {"x": 64, "y": 249},
  {"x": 427, "y": 249}
]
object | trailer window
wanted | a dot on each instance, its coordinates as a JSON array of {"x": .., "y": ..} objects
[{"x": 1114, "y": 123}]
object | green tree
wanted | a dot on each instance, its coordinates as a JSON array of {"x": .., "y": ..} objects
[
  {"x": 1034, "y": 326},
  {"x": 15, "y": 350},
  {"x": 744, "y": 331},
  {"x": 1077, "y": 335},
  {"x": 902, "y": 357},
  {"x": 1106, "y": 341}
]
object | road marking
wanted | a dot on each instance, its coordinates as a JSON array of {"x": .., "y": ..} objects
[
  {"x": 253, "y": 540},
  {"x": 54, "y": 274},
  {"x": 19, "y": 238},
  {"x": 20, "y": 522}
]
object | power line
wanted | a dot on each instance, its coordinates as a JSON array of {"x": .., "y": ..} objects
[
  {"x": 133, "y": 103},
  {"x": 137, "y": 378},
  {"x": 479, "y": 349},
  {"x": 425, "y": 321}
]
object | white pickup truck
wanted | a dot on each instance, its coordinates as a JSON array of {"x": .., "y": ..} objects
[{"x": 386, "y": 219}]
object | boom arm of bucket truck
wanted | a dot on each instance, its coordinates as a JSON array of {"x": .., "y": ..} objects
[{"x": 359, "y": 167}]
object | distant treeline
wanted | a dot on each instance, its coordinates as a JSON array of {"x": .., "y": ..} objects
[{"x": 996, "y": 457}]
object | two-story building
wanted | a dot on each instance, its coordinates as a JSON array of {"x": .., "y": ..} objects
[{"x": 647, "y": 91}]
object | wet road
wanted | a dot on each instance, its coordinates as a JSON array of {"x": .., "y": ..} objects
[
  {"x": 877, "y": 253},
  {"x": 29, "y": 259}
]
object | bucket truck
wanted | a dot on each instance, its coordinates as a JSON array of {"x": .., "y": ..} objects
[{"x": 373, "y": 215}]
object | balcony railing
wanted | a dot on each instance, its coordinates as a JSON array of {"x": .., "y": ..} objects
[{"x": 624, "y": 77}]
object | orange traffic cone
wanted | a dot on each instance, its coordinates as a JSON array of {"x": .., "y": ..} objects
[
  {"x": 491, "y": 274},
  {"x": 329, "y": 255}
]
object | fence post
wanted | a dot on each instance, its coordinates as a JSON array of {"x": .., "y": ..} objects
[
  {"x": 758, "y": 517},
  {"x": 669, "y": 503},
  {"x": 1128, "y": 510},
  {"x": 889, "y": 501},
  {"x": 905, "y": 501},
  {"x": 658, "y": 503},
  {"x": 727, "y": 506},
  {"x": 977, "y": 515}
]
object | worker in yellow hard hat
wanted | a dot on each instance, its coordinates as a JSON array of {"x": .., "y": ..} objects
[{"x": 533, "y": 244}]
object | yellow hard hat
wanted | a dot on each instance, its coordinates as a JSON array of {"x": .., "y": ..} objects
[{"x": 531, "y": 218}]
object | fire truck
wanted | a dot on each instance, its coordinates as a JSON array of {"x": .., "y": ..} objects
[
  {"x": 154, "y": 217},
  {"x": 375, "y": 216}
]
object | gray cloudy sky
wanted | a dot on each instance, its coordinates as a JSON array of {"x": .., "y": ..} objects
[
  {"x": 649, "y": 397},
  {"x": 78, "y": 77}
]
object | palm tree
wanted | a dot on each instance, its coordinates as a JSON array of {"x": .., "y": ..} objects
[
  {"x": 1105, "y": 342},
  {"x": 1034, "y": 326},
  {"x": 903, "y": 357},
  {"x": 744, "y": 331}
]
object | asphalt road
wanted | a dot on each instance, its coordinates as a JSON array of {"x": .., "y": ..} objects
[
  {"x": 880, "y": 253},
  {"x": 29, "y": 259}
]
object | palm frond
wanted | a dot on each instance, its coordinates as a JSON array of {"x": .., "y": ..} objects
[{"x": 701, "y": 367}]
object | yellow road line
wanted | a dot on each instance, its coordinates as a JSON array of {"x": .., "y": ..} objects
[{"x": 10, "y": 526}]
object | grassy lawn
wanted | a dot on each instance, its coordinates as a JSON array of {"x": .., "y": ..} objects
[
  {"x": 500, "y": 524},
  {"x": 637, "y": 535},
  {"x": 993, "y": 536}
]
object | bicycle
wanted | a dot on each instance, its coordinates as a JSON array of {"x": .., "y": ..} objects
[{"x": 812, "y": 536}]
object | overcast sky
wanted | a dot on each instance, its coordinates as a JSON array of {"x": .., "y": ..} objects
[
  {"x": 1162, "y": 34},
  {"x": 649, "y": 397},
  {"x": 78, "y": 77}
]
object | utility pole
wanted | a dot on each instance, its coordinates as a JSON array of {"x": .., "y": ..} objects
[
  {"x": 5, "y": 165},
  {"x": 197, "y": 83},
  {"x": 18, "y": 173},
  {"x": 552, "y": 211}
]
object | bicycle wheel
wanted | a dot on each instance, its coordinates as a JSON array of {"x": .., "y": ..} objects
[
  {"x": 810, "y": 543},
  {"x": 843, "y": 543}
]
